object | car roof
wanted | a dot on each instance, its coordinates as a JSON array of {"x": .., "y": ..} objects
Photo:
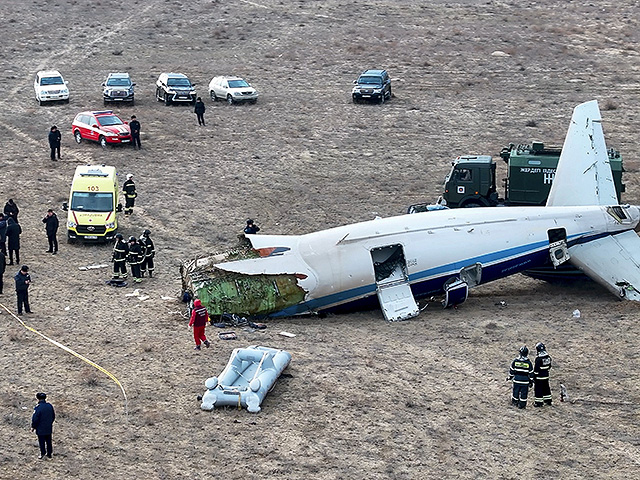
[
  {"x": 49, "y": 73},
  {"x": 119, "y": 75},
  {"x": 97, "y": 112},
  {"x": 373, "y": 72},
  {"x": 175, "y": 75},
  {"x": 230, "y": 77}
]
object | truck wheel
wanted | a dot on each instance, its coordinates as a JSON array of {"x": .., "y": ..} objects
[
  {"x": 167, "y": 100},
  {"x": 77, "y": 136},
  {"x": 103, "y": 142},
  {"x": 229, "y": 99},
  {"x": 70, "y": 240},
  {"x": 213, "y": 96},
  {"x": 381, "y": 101},
  {"x": 472, "y": 204}
]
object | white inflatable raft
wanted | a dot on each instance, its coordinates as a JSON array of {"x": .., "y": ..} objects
[{"x": 247, "y": 378}]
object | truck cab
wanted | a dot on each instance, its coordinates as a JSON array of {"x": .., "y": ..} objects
[
  {"x": 471, "y": 182},
  {"x": 93, "y": 204}
]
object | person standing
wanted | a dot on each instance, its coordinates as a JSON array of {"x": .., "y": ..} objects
[
  {"x": 23, "y": 280},
  {"x": 251, "y": 228},
  {"x": 119, "y": 257},
  {"x": 135, "y": 132},
  {"x": 55, "y": 137},
  {"x": 135, "y": 258},
  {"x": 3, "y": 267},
  {"x": 199, "y": 319},
  {"x": 520, "y": 371},
  {"x": 51, "y": 225},
  {"x": 13, "y": 239},
  {"x": 199, "y": 111},
  {"x": 42, "y": 423},
  {"x": 3, "y": 233},
  {"x": 149, "y": 252},
  {"x": 541, "y": 388},
  {"x": 129, "y": 189},
  {"x": 11, "y": 209}
]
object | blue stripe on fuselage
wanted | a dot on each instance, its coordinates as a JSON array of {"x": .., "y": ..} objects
[{"x": 495, "y": 265}]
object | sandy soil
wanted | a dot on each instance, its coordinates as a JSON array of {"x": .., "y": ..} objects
[{"x": 422, "y": 399}]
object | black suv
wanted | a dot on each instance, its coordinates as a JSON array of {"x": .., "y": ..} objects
[{"x": 372, "y": 85}]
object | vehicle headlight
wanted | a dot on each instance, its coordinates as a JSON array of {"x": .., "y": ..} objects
[
  {"x": 110, "y": 134},
  {"x": 71, "y": 224},
  {"x": 110, "y": 225},
  {"x": 377, "y": 90},
  {"x": 235, "y": 94}
]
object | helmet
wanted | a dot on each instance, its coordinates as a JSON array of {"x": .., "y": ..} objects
[
  {"x": 119, "y": 236},
  {"x": 41, "y": 396},
  {"x": 524, "y": 351},
  {"x": 146, "y": 233},
  {"x": 129, "y": 176},
  {"x": 249, "y": 221},
  {"x": 132, "y": 239},
  {"x": 540, "y": 347}
]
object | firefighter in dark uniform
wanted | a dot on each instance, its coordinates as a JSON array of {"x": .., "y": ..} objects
[
  {"x": 541, "y": 368},
  {"x": 129, "y": 189},
  {"x": 135, "y": 258},
  {"x": 149, "y": 252},
  {"x": 521, "y": 371},
  {"x": 120, "y": 252}
]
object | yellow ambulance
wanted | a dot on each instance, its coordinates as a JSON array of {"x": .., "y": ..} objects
[{"x": 93, "y": 203}]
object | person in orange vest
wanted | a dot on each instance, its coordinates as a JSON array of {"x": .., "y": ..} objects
[{"x": 199, "y": 319}]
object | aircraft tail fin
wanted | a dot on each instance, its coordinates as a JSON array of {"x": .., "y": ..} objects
[{"x": 584, "y": 174}]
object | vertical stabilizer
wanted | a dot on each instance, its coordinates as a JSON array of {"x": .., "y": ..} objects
[{"x": 584, "y": 175}]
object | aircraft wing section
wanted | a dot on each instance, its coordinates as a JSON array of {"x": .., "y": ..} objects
[
  {"x": 613, "y": 262},
  {"x": 584, "y": 174}
]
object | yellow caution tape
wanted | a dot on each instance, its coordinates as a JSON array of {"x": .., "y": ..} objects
[{"x": 75, "y": 354}]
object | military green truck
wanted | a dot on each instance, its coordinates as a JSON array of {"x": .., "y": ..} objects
[{"x": 530, "y": 171}]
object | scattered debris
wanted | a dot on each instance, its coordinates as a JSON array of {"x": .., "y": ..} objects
[
  {"x": 501, "y": 304},
  {"x": 144, "y": 297},
  {"x": 287, "y": 334},
  {"x": 563, "y": 393},
  {"x": 135, "y": 293},
  {"x": 114, "y": 282},
  {"x": 576, "y": 313},
  {"x": 67, "y": 308},
  {"x": 500, "y": 53},
  {"x": 164, "y": 297},
  {"x": 92, "y": 267},
  {"x": 227, "y": 336}
]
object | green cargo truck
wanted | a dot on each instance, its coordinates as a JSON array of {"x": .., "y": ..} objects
[{"x": 471, "y": 181}]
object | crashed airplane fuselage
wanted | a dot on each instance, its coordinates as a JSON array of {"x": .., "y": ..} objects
[{"x": 393, "y": 261}]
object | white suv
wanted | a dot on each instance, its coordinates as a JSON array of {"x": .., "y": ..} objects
[
  {"x": 175, "y": 87},
  {"x": 50, "y": 86},
  {"x": 232, "y": 89}
]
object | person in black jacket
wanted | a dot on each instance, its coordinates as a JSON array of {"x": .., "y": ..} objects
[
  {"x": 13, "y": 236},
  {"x": 541, "y": 388},
  {"x": 42, "y": 423},
  {"x": 520, "y": 371},
  {"x": 55, "y": 137},
  {"x": 51, "y": 225},
  {"x": 135, "y": 258},
  {"x": 129, "y": 189},
  {"x": 135, "y": 132},
  {"x": 23, "y": 280},
  {"x": 3, "y": 267},
  {"x": 3, "y": 233},
  {"x": 11, "y": 209},
  {"x": 251, "y": 228},
  {"x": 120, "y": 252},
  {"x": 148, "y": 251},
  {"x": 199, "y": 110}
]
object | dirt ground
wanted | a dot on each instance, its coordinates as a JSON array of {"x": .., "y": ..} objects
[{"x": 425, "y": 398}]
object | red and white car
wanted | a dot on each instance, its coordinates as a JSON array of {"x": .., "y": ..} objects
[{"x": 104, "y": 127}]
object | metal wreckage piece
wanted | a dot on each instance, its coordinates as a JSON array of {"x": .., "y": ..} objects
[{"x": 243, "y": 294}]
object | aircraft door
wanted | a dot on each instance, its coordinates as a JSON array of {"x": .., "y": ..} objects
[
  {"x": 392, "y": 281},
  {"x": 558, "y": 250}
]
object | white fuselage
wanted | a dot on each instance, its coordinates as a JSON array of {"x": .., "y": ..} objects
[{"x": 339, "y": 269}]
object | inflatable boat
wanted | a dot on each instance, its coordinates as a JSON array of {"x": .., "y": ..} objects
[{"x": 247, "y": 378}]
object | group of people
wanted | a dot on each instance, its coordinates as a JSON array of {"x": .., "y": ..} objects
[
  {"x": 138, "y": 253},
  {"x": 525, "y": 374}
]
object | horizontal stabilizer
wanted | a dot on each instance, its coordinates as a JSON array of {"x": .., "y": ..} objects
[
  {"x": 613, "y": 262},
  {"x": 584, "y": 174}
]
